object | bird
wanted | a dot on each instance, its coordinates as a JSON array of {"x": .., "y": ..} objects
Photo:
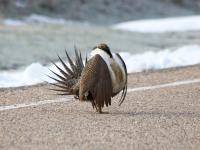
[{"x": 100, "y": 79}]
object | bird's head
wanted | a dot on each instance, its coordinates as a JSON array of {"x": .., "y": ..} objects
[{"x": 105, "y": 48}]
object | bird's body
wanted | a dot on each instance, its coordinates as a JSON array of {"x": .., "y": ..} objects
[
  {"x": 115, "y": 67},
  {"x": 103, "y": 77}
]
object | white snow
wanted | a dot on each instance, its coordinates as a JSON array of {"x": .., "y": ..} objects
[
  {"x": 13, "y": 22},
  {"x": 174, "y": 24},
  {"x": 183, "y": 56},
  {"x": 35, "y": 73},
  {"x": 179, "y": 24},
  {"x": 40, "y": 19}
]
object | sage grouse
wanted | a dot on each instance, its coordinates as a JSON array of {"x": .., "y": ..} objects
[{"x": 103, "y": 77}]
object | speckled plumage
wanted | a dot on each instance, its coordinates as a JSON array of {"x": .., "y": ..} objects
[
  {"x": 103, "y": 77},
  {"x": 96, "y": 78}
]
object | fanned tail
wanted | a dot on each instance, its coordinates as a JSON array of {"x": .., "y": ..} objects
[{"x": 69, "y": 82}]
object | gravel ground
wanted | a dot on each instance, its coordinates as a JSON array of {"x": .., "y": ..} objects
[
  {"x": 164, "y": 118},
  {"x": 39, "y": 43}
]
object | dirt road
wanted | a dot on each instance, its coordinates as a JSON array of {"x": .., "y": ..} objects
[{"x": 166, "y": 115}]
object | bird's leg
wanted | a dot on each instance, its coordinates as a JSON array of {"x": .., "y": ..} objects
[
  {"x": 99, "y": 110},
  {"x": 94, "y": 105}
]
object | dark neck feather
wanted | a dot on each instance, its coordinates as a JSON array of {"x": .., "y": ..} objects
[{"x": 105, "y": 48}]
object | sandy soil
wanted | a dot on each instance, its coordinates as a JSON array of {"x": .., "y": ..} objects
[{"x": 163, "y": 118}]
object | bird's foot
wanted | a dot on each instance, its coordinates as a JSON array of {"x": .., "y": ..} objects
[
  {"x": 76, "y": 97},
  {"x": 99, "y": 110},
  {"x": 103, "y": 112}
]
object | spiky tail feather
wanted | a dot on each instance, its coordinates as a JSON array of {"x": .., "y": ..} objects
[{"x": 69, "y": 84}]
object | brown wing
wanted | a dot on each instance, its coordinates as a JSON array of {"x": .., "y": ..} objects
[
  {"x": 96, "y": 78},
  {"x": 125, "y": 87}
]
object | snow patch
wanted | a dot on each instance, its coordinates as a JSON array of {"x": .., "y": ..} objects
[
  {"x": 176, "y": 24},
  {"x": 183, "y": 56},
  {"x": 35, "y": 73},
  {"x": 13, "y": 22},
  {"x": 40, "y": 19}
]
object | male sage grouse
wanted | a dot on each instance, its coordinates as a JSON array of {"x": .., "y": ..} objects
[{"x": 103, "y": 77}]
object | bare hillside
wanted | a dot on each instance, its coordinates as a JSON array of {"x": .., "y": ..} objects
[{"x": 100, "y": 11}]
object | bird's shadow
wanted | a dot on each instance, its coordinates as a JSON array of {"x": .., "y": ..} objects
[{"x": 159, "y": 114}]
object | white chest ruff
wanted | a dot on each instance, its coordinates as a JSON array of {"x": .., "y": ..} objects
[{"x": 116, "y": 69}]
